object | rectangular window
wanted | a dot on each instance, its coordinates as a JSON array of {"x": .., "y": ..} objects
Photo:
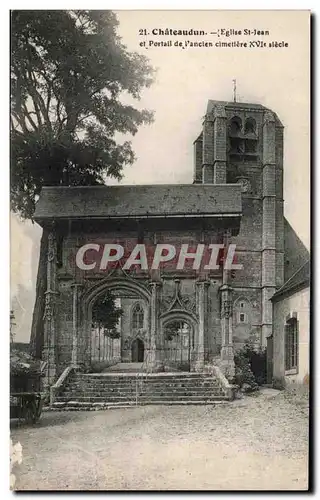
[
  {"x": 291, "y": 344},
  {"x": 242, "y": 318}
]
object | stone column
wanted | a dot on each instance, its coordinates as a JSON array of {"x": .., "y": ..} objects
[
  {"x": 49, "y": 345},
  {"x": 227, "y": 352},
  {"x": 75, "y": 323},
  {"x": 203, "y": 323},
  {"x": 197, "y": 169},
  {"x": 226, "y": 323},
  {"x": 269, "y": 218},
  {"x": 220, "y": 141},
  {"x": 207, "y": 150},
  {"x": 155, "y": 362}
]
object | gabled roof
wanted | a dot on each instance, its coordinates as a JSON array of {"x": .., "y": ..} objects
[
  {"x": 160, "y": 200},
  {"x": 199, "y": 138},
  {"x": 212, "y": 103},
  {"x": 295, "y": 252},
  {"x": 300, "y": 279}
]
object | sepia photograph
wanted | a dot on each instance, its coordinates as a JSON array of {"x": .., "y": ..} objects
[{"x": 160, "y": 250}]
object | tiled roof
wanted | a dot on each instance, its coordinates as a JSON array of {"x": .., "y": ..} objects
[
  {"x": 300, "y": 279},
  {"x": 244, "y": 105},
  {"x": 212, "y": 103},
  {"x": 139, "y": 201}
]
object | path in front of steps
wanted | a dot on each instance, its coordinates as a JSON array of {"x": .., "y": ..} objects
[{"x": 259, "y": 442}]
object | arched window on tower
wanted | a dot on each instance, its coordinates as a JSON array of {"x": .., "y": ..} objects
[
  {"x": 137, "y": 317},
  {"x": 250, "y": 126},
  {"x": 235, "y": 126},
  {"x": 251, "y": 139},
  {"x": 236, "y": 143}
]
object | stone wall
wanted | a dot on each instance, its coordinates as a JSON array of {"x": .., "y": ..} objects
[
  {"x": 178, "y": 290},
  {"x": 260, "y": 247},
  {"x": 294, "y": 305},
  {"x": 260, "y": 242}
]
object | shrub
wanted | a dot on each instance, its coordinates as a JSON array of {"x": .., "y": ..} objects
[
  {"x": 243, "y": 372},
  {"x": 258, "y": 362},
  {"x": 250, "y": 366}
]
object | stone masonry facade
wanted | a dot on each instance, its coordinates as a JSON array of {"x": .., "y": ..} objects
[
  {"x": 249, "y": 153},
  {"x": 240, "y": 145}
]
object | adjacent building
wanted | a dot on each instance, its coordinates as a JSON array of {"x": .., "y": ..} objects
[{"x": 291, "y": 330}]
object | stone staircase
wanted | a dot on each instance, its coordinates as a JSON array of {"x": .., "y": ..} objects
[
  {"x": 125, "y": 368},
  {"x": 113, "y": 390}
]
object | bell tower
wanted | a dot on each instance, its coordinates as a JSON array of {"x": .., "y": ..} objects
[{"x": 243, "y": 143}]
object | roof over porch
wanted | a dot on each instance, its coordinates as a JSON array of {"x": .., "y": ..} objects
[{"x": 139, "y": 201}]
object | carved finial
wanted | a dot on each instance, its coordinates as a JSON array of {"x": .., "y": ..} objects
[{"x": 234, "y": 90}]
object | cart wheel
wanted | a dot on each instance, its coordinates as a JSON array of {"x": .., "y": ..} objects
[{"x": 30, "y": 414}]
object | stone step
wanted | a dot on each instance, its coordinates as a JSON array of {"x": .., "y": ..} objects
[
  {"x": 140, "y": 379},
  {"x": 150, "y": 380},
  {"x": 83, "y": 406},
  {"x": 105, "y": 390},
  {"x": 79, "y": 405},
  {"x": 154, "y": 387},
  {"x": 140, "y": 387},
  {"x": 145, "y": 387},
  {"x": 124, "y": 367},
  {"x": 161, "y": 376},
  {"x": 173, "y": 394},
  {"x": 78, "y": 396},
  {"x": 142, "y": 397}
]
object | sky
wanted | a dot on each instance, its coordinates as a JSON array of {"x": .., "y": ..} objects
[{"x": 185, "y": 80}]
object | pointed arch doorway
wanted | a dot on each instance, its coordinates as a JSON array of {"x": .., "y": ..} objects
[
  {"x": 137, "y": 351},
  {"x": 179, "y": 330}
]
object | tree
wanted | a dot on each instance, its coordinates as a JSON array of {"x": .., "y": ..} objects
[
  {"x": 105, "y": 314},
  {"x": 173, "y": 329},
  {"x": 69, "y": 71}
]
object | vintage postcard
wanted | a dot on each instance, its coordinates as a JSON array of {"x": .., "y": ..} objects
[{"x": 160, "y": 197}]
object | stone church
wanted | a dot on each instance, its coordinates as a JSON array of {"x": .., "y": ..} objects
[{"x": 175, "y": 319}]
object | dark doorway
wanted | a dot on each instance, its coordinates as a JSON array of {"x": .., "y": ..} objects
[{"x": 137, "y": 351}]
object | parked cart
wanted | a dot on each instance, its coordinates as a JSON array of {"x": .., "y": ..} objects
[
  {"x": 26, "y": 406},
  {"x": 25, "y": 390}
]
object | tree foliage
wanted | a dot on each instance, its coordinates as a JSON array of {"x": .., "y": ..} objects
[
  {"x": 173, "y": 329},
  {"x": 105, "y": 314},
  {"x": 69, "y": 72},
  {"x": 250, "y": 366}
]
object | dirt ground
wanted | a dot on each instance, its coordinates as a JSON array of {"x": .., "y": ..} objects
[{"x": 259, "y": 442}]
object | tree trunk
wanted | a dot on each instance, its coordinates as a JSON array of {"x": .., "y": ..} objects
[{"x": 37, "y": 330}]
